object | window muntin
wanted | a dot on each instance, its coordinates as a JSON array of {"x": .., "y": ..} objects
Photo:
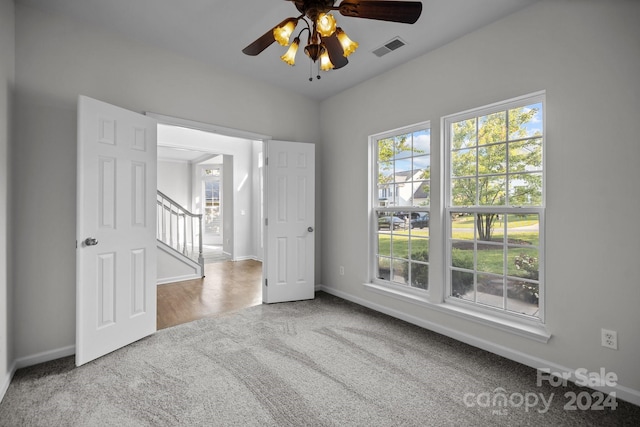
[
  {"x": 402, "y": 163},
  {"x": 495, "y": 206}
]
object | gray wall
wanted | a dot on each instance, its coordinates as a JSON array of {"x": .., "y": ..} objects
[
  {"x": 586, "y": 55},
  {"x": 7, "y": 62},
  {"x": 174, "y": 180},
  {"x": 56, "y": 60}
]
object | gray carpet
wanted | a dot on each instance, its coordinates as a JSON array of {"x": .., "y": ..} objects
[{"x": 325, "y": 362}]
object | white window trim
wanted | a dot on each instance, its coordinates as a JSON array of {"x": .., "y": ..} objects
[
  {"x": 520, "y": 325},
  {"x": 471, "y": 307},
  {"x": 416, "y": 293}
]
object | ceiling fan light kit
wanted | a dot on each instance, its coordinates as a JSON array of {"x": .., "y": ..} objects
[{"x": 328, "y": 42}]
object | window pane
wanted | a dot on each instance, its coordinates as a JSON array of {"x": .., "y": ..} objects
[
  {"x": 419, "y": 224},
  {"x": 492, "y": 128},
  {"x": 385, "y": 172},
  {"x": 421, "y": 193},
  {"x": 491, "y": 290},
  {"x": 525, "y": 189},
  {"x": 402, "y": 146},
  {"x": 384, "y": 244},
  {"x": 463, "y": 192},
  {"x": 463, "y": 162},
  {"x": 489, "y": 226},
  {"x": 490, "y": 258},
  {"x": 525, "y": 121},
  {"x": 385, "y": 195},
  {"x": 492, "y": 190},
  {"x": 400, "y": 271},
  {"x": 385, "y": 149},
  {"x": 422, "y": 167},
  {"x": 462, "y": 226},
  {"x": 523, "y": 262},
  {"x": 403, "y": 181},
  {"x": 419, "y": 275},
  {"x": 403, "y": 170},
  {"x": 462, "y": 255},
  {"x": 420, "y": 249},
  {"x": 463, "y": 134},
  {"x": 389, "y": 221},
  {"x": 384, "y": 268},
  {"x": 492, "y": 159},
  {"x": 422, "y": 142},
  {"x": 525, "y": 156},
  {"x": 495, "y": 159},
  {"x": 462, "y": 285},
  {"x": 523, "y": 297},
  {"x": 399, "y": 246},
  {"x": 523, "y": 229}
]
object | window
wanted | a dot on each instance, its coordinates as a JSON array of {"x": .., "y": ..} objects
[
  {"x": 488, "y": 215},
  {"x": 494, "y": 212},
  {"x": 402, "y": 177}
]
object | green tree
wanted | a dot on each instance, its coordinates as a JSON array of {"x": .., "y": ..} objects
[{"x": 480, "y": 158}]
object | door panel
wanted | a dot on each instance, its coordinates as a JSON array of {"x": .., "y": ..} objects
[
  {"x": 116, "y": 271},
  {"x": 290, "y": 221}
]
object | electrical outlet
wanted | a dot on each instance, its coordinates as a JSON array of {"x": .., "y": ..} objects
[
  {"x": 609, "y": 339},
  {"x": 341, "y": 270}
]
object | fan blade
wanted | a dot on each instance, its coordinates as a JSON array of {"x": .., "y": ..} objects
[
  {"x": 406, "y": 12},
  {"x": 262, "y": 42},
  {"x": 334, "y": 49}
]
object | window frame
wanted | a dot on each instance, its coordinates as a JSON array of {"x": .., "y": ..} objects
[
  {"x": 375, "y": 207},
  {"x": 449, "y": 208}
]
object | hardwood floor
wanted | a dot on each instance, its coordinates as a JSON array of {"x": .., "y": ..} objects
[{"x": 227, "y": 286}]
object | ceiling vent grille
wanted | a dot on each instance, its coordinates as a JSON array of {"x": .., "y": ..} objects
[{"x": 389, "y": 46}]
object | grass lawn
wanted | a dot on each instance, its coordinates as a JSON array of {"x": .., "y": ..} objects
[{"x": 490, "y": 256}]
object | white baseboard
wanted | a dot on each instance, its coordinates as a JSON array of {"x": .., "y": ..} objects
[
  {"x": 622, "y": 392},
  {"x": 35, "y": 359},
  {"x": 7, "y": 380},
  {"x": 166, "y": 280},
  {"x": 45, "y": 356}
]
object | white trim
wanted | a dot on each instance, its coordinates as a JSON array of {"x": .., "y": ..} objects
[
  {"x": 7, "y": 380},
  {"x": 445, "y": 125},
  {"x": 45, "y": 356},
  {"x": 192, "y": 124},
  {"x": 174, "y": 279},
  {"x": 505, "y": 322},
  {"x": 625, "y": 393}
]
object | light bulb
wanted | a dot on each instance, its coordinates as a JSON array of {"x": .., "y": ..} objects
[
  {"x": 290, "y": 56},
  {"x": 348, "y": 45},
  {"x": 326, "y": 24},
  {"x": 283, "y": 33}
]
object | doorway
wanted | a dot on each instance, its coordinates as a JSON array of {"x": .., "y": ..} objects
[{"x": 216, "y": 174}]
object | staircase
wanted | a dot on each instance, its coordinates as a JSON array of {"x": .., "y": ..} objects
[{"x": 179, "y": 235}]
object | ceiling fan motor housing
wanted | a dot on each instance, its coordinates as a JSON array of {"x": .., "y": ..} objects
[{"x": 312, "y": 8}]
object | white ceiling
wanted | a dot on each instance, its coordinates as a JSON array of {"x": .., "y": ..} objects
[{"x": 216, "y": 31}]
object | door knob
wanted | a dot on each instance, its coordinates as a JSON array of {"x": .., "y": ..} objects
[
  {"x": 310, "y": 229},
  {"x": 90, "y": 241}
]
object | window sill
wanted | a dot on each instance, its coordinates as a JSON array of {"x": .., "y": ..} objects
[{"x": 528, "y": 329}]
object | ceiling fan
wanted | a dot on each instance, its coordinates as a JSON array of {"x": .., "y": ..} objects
[{"x": 326, "y": 41}]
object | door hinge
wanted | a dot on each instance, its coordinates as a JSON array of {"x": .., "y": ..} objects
[
  {"x": 266, "y": 161},
  {"x": 266, "y": 282},
  {"x": 266, "y": 222}
]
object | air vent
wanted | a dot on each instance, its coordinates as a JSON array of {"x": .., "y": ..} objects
[{"x": 389, "y": 46}]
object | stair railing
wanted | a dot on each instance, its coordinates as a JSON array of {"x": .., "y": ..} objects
[{"x": 179, "y": 228}]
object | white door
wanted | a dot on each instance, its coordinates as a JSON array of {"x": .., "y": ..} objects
[
  {"x": 289, "y": 222},
  {"x": 116, "y": 243}
]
